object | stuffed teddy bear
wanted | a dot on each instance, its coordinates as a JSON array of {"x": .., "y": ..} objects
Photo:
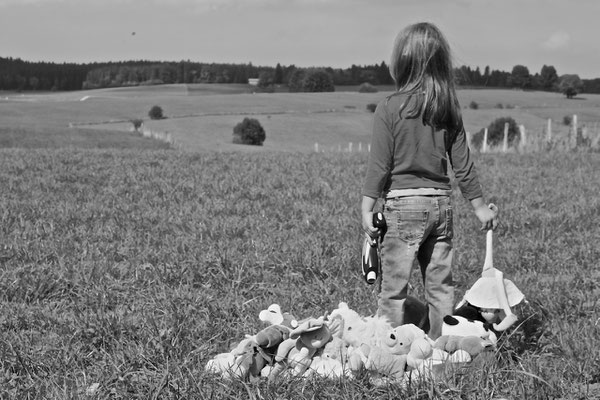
[
  {"x": 410, "y": 340},
  {"x": 297, "y": 351},
  {"x": 405, "y": 348}
]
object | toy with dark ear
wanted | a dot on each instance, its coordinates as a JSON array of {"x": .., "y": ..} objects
[
  {"x": 469, "y": 311},
  {"x": 456, "y": 325}
]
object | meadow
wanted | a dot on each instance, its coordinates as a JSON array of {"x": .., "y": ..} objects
[{"x": 126, "y": 264}]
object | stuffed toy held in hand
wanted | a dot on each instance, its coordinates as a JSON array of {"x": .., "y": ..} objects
[
  {"x": 493, "y": 294},
  {"x": 296, "y": 352}
]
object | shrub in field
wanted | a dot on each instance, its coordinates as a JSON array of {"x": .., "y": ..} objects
[
  {"x": 249, "y": 131},
  {"x": 567, "y": 119},
  {"x": 371, "y": 107},
  {"x": 496, "y": 133},
  {"x": 499, "y": 105},
  {"x": 473, "y": 105},
  {"x": 137, "y": 124},
  {"x": 570, "y": 85},
  {"x": 156, "y": 112},
  {"x": 366, "y": 87}
]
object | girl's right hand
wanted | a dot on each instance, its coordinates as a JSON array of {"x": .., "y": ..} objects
[{"x": 367, "y": 225}]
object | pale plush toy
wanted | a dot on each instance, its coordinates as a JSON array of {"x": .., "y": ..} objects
[
  {"x": 296, "y": 353},
  {"x": 472, "y": 345},
  {"x": 383, "y": 363},
  {"x": 327, "y": 367},
  {"x": 410, "y": 340},
  {"x": 405, "y": 348},
  {"x": 273, "y": 316},
  {"x": 243, "y": 361},
  {"x": 357, "y": 330}
]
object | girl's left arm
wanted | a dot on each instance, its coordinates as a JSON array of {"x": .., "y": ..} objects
[{"x": 464, "y": 167}]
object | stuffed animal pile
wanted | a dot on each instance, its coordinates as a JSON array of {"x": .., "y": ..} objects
[{"x": 345, "y": 344}]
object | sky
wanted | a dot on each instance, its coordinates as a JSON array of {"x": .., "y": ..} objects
[{"x": 306, "y": 33}]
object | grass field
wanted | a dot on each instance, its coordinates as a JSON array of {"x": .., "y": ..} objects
[
  {"x": 124, "y": 268},
  {"x": 201, "y": 117}
]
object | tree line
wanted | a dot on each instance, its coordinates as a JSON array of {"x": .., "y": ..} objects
[{"x": 19, "y": 75}]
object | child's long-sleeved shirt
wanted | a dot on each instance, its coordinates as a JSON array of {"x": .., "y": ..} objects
[{"x": 406, "y": 154}]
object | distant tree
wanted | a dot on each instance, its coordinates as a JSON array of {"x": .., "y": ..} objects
[
  {"x": 570, "y": 85},
  {"x": 34, "y": 82},
  {"x": 265, "y": 80},
  {"x": 278, "y": 77},
  {"x": 476, "y": 77},
  {"x": 317, "y": 80},
  {"x": 520, "y": 77},
  {"x": 486, "y": 75},
  {"x": 548, "y": 78},
  {"x": 295, "y": 81},
  {"x": 383, "y": 74},
  {"x": 591, "y": 85}
]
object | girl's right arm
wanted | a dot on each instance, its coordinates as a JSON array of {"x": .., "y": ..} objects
[{"x": 367, "y": 216}]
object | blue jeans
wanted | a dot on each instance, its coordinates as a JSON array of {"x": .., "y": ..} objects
[{"x": 419, "y": 229}]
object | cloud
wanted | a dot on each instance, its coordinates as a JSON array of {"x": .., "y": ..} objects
[{"x": 557, "y": 40}]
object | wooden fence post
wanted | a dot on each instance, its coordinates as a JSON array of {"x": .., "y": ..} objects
[
  {"x": 484, "y": 145},
  {"x": 574, "y": 136},
  {"x": 549, "y": 131},
  {"x": 316, "y": 147},
  {"x": 523, "y": 141}
]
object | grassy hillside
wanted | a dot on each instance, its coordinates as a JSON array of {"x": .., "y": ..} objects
[
  {"x": 124, "y": 271},
  {"x": 202, "y": 117}
]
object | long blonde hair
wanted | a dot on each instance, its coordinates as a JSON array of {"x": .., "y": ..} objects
[{"x": 421, "y": 66}]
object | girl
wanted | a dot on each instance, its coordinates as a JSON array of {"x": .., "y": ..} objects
[{"x": 417, "y": 132}]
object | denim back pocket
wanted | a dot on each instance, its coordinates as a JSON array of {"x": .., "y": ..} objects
[
  {"x": 448, "y": 224},
  {"x": 411, "y": 225}
]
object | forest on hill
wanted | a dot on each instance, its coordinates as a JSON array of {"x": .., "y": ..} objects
[{"x": 20, "y": 75}]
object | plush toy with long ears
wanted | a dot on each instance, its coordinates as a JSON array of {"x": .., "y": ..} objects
[
  {"x": 296, "y": 352},
  {"x": 492, "y": 292}
]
